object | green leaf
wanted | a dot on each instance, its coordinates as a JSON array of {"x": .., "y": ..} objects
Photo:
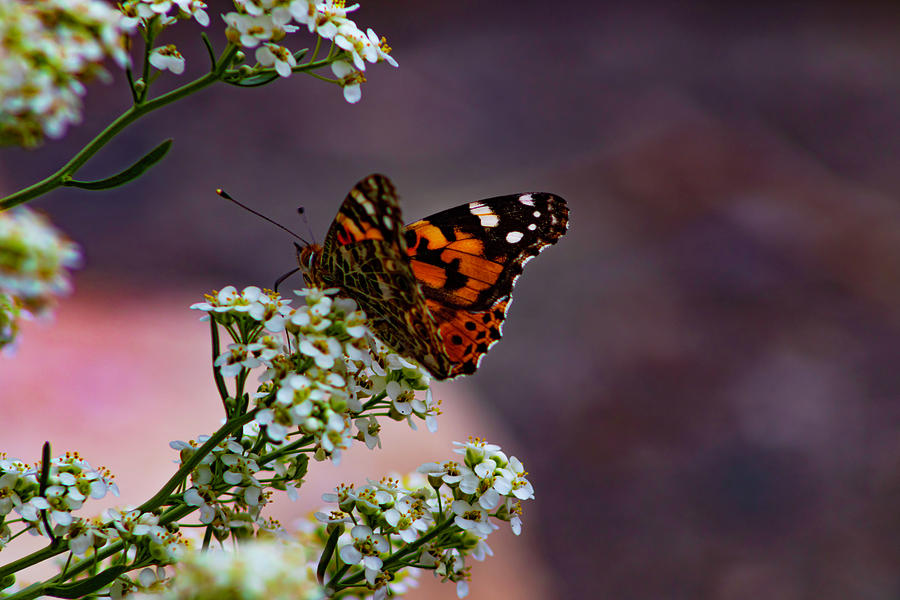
[
  {"x": 253, "y": 80},
  {"x": 7, "y": 581},
  {"x": 129, "y": 174},
  {"x": 235, "y": 77},
  {"x": 83, "y": 587},
  {"x": 328, "y": 551}
]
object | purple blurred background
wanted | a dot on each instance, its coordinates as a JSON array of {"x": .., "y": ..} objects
[{"x": 702, "y": 377}]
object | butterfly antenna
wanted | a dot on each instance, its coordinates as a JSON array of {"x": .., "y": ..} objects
[
  {"x": 225, "y": 195},
  {"x": 302, "y": 212}
]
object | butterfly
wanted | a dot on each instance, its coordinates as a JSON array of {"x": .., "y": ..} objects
[{"x": 436, "y": 290}]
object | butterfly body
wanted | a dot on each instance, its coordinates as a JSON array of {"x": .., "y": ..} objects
[{"x": 438, "y": 289}]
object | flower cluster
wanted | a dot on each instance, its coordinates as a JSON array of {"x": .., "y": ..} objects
[
  {"x": 48, "y": 50},
  {"x": 164, "y": 13},
  {"x": 68, "y": 483},
  {"x": 323, "y": 379},
  {"x": 269, "y": 570},
  {"x": 136, "y": 529},
  {"x": 262, "y": 24},
  {"x": 433, "y": 520},
  {"x": 140, "y": 12},
  {"x": 229, "y": 466},
  {"x": 34, "y": 258},
  {"x": 70, "y": 480}
]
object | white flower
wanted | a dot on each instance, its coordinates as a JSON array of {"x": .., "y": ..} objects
[
  {"x": 335, "y": 516},
  {"x": 160, "y": 7},
  {"x": 240, "y": 468},
  {"x": 49, "y": 49},
  {"x": 521, "y": 487},
  {"x": 251, "y": 30},
  {"x": 356, "y": 324},
  {"x": 482, "y": 487},
  {"x": 482, "y": 550},
  {"x": 167, "y": 58},
  {"x": 34, "y": 258},
  {"x": 369, "y": 428},
  {"x": 471, "y": 518},
  {"x": 236, "y": 358},
  {"x": 193, "y": 497},
  {"x": 81, "y": 543},
  {"x": 365, "y": 547},
  {"x": 350, "y": 80},
  {"x": 324, "y": 350},
  {"x": 219, "y": 302},
  {"x": 31, "y": 510},
  {"x": 269, "y": 54},
  {"x": 266, "y": 348},
  {"x": 381, "y": 49},
  {"x": 355, "y": 42},
  {"x": 304, "y": 12},
  {"x": 515, "y": 523},
  {"x": 424, "y": 409},
  {"x": 319, "y": 306},
  {"x": 330, "y": 16},
  {"x": 8, "y": 496},
  {"x": 133, "y": 523},
  {"x": 448, "y": 472},
  {"x": 195, "y": 9},
  {"x": 408, "y": 522},
  {"x": 476, "y": 450},
  {"x": 61, "y": 502},
  {"x": 267, "y": 308}
]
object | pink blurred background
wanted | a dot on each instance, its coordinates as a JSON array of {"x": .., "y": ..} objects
[{"x": 702, "y": 377}]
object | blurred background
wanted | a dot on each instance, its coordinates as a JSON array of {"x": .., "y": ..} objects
[{"x": 701, "y": 377}]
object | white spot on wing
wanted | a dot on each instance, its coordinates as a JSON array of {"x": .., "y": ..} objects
[
  {"x": 537, "y": 214},
  {"x": 478, "y": 209},
  {"x": 532, "y": 227},
  {"x": 388, "y": 222},
  {"x": 489, "y": 220},
  {"x": 485, "y": 215},
  {"x": 526, "y": 199},
  {"x": 514, "y": 237},
  {"x": 364, "y": 202}
]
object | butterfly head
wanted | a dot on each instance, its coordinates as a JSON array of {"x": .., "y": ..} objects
[{"x": 310, "y": 259}]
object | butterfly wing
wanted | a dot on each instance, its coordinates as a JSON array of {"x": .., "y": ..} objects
[
  {"x": 365, "y": 256},
  {"x": 467, "y": 259}
]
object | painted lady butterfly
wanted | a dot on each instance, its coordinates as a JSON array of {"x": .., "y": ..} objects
[{"x": 436, "y": 290}]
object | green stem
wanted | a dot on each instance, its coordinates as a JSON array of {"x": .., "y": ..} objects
[
  {"x": 149, "y": 36},
  {"x": 150, "y": 505},
  {"x": 217, "y": 374},
  {"x": 374, "y": 401},
  {"x": 190, "y": 464},
  {"x": 32, "y": 559},
  {"x": 287, "y": 449},
  {"x": 315, "y": 52},
  {"x": 66, "y": 172},
  {"x": 413, "y": 547},
  {"x": 36, "y": 590},
  {"x": 395, "y": 558}
]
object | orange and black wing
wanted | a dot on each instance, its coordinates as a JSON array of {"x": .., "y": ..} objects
[
  {"x": 467, "y": 259},
  {"x": 365, "y": 256}
]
